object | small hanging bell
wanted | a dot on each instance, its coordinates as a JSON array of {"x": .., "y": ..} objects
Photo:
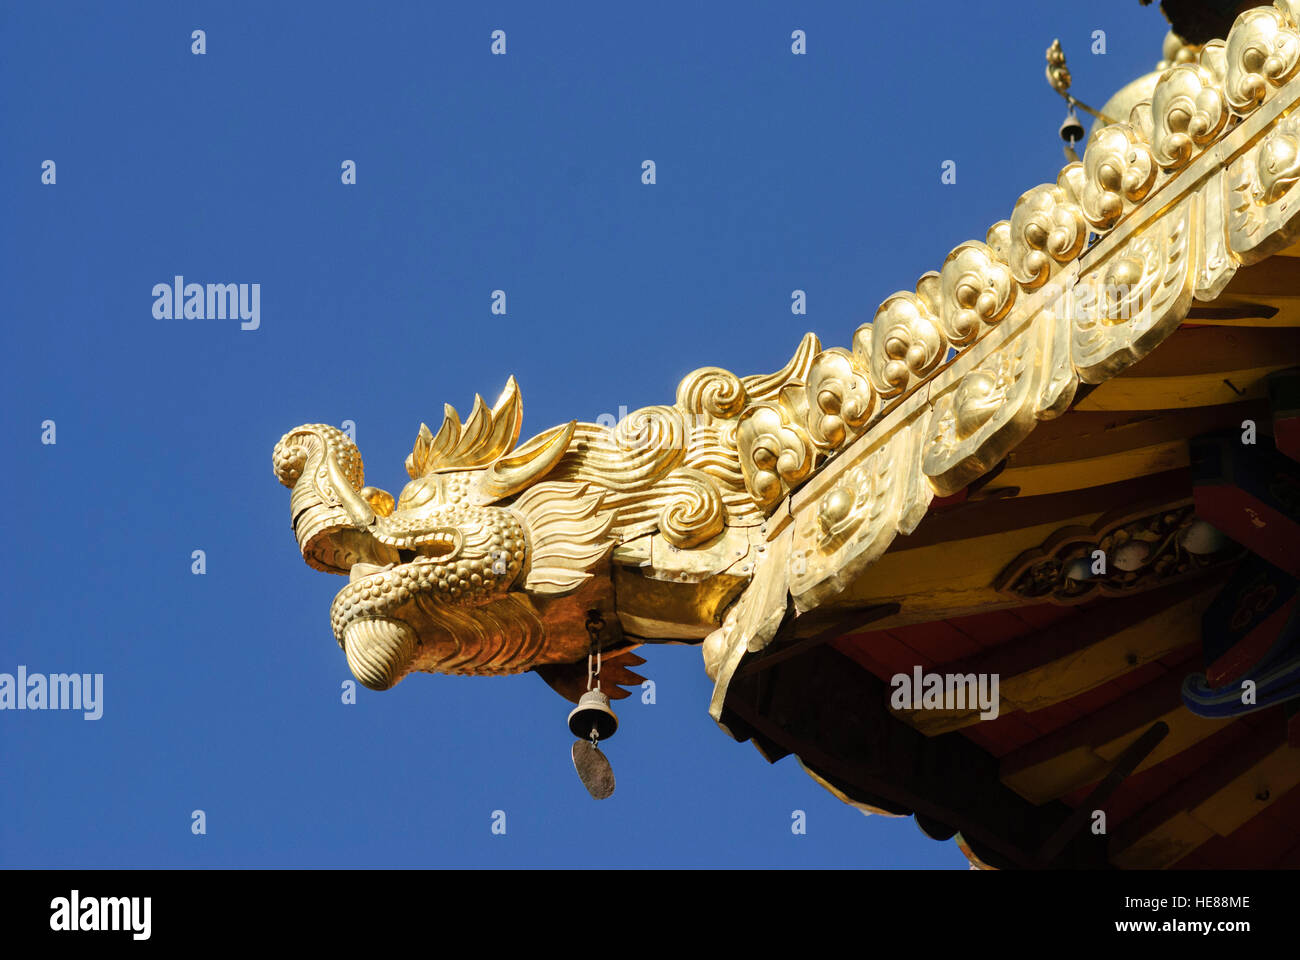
[
  {"x": 592, "y": 721},
  {"x": 1071, "y": 133},
  {"x": 592, "y": 718},
  {"x": 1071, "y": 129}
]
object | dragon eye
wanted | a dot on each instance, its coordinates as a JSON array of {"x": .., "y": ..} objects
[{"x": 416, "y": 494}]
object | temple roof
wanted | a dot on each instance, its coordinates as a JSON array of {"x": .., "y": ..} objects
[
  {"x": 1016, "y": 560},
  {"x": 1084, "y": 382}
]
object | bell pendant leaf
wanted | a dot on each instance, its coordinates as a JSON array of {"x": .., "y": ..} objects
[{"x": 593, "y": 769}]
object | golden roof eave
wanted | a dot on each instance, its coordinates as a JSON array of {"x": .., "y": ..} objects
[
  {"x": 747, "y": 498},
  {"x": 1199, "y": 182},
  {"x": 709, "y": 517}
]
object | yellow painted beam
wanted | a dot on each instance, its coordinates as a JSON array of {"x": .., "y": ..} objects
[
  {"x": 1081, "y": 435},
  {"x": 1058, "y": 776},
  {"x": 1186, "y": 730},
  {"x": 1239, "y": 314},
  {"x": 1163, "y": 632},
  {"x": 1083, "y": 765},
  {"x": 948, "y": 578},
  {"x": 1271, "y": 778},
  {"x": 1267, "y": 280},
  {"x": 1111, "y": 657},
  {"x": 1195, "y": 390},
  {"x": 1165, "y": 846},
  {"x": 1220, "y": 814},
  {"x": 1042, "y": 478},
  {"x": 1199, "y": 366}
]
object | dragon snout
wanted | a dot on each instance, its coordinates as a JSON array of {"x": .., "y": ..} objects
[
  {"x": 380, "y": 652},
  {"x": 295, "y": 448}
]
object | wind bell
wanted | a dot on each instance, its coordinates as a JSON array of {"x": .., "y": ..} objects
[{"x": 591, "y": 721}]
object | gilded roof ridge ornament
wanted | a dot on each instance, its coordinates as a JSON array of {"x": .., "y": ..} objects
[{"x": 746, "y": 496}]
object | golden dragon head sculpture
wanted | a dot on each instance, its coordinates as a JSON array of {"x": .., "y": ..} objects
[{"x": 493, "y": 556}]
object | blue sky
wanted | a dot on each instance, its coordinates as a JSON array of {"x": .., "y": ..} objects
[{"x": 474, "y": 172}]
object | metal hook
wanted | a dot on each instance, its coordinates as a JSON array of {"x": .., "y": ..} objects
[{"x": 595, "y": 624}]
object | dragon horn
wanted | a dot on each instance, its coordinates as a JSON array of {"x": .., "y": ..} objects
[{"x": 530, "y": 463}]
